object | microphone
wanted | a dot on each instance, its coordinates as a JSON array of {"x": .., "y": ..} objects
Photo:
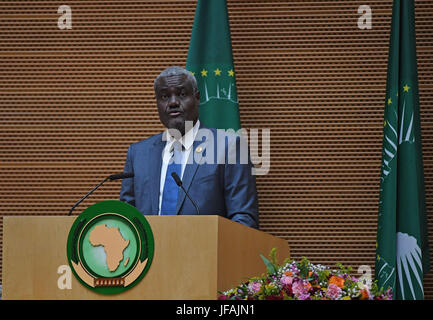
[
  {"x": 112, "y": 177},
  {"x": 122, "y": 175},
  {"x": 179, "y": 183}
]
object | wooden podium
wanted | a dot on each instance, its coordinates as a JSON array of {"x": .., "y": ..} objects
[{"x": 195, "y": 257}]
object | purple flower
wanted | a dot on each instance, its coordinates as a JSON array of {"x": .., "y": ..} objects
[
  {"x": 304, "y": 296},
  {"x": 254, "y": 287}
]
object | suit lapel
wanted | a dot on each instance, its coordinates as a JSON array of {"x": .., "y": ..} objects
[{"x": 155, "y": 164}]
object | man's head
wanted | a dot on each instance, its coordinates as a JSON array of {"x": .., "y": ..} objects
[{"x": 177, "y": 98}]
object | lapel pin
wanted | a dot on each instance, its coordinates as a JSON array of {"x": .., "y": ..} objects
[{"x": 199, "y": 149}]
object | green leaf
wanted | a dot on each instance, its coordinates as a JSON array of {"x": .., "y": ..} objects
[
  {"x": 273, "y": 257},
  {"x": 303, "y": 267},
  {"x": 269, "y": 266}
]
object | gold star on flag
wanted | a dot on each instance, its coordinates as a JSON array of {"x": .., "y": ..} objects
[
  {"x": 204, "y": 73},
  {"x": 406, "y": 88},
  {"x": 389, "y": 101},
  {"x": 384, "y": 123},
  {"x": 217, "y": 72},
  {"x": 231, "y": 73}
]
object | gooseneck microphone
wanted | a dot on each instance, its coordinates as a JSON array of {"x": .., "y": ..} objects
[
  {"x": 179, "y": 183},
  {"x": 122, "y": 175},
  {"x": 112, "y": 177}
]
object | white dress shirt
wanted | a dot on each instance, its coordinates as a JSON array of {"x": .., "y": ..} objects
[{"x": 187, "y": 143}]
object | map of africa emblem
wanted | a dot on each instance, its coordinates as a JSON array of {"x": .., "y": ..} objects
[{"x": 110, "y": 247}]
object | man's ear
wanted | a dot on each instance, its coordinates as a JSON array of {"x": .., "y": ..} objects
[{"x": 197, "y": 95}]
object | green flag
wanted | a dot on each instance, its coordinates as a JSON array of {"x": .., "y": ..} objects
[
  {"x": 210, "y": 59},
  {"x": 402, "y": 248}
]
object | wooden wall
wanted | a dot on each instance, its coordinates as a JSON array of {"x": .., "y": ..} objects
[{"x": 72, "y": 101}]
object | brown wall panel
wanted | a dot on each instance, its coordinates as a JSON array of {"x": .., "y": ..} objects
[{"x": 73, "y": 100}]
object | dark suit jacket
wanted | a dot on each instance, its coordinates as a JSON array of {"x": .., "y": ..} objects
[{"x": 225, "y": 188}]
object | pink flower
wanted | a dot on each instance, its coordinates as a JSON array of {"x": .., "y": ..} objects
[
  {"x": 333, "y": 291},
  {"x": 286, "y": 280},
  {"x": 299, "y": 288},
  {"x": 254, "y": 287}
]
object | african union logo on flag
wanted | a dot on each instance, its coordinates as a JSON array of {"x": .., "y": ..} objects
[{"x": 110, "y": 247}]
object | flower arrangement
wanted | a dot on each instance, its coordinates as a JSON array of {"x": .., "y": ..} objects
[{"x": 305, "y": 281}]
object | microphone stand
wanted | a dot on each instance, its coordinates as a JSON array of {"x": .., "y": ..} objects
[
  {"x": 179, "y": 183},
  {"x": 111, "y": 177},
  {"x": 88, "y": 194}
]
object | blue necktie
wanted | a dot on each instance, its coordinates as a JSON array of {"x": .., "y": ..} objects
[{"x": 171, "y": 189}]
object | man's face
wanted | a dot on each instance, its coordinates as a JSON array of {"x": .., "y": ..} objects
[{"x": 176, "y": 101}]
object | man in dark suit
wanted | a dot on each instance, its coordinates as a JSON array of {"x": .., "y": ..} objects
[{"x": 210, "y": 167}]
